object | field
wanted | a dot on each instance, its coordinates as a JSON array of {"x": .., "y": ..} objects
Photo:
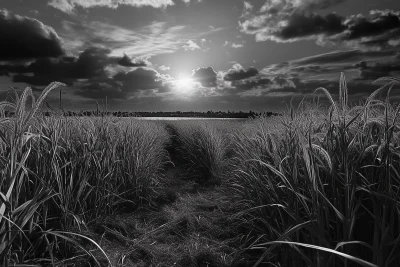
[{"x": 317, "y": 186}]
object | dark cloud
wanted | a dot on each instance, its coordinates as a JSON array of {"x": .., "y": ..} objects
[
  {"x": 124, "y": 85},
  {"x": 206, "y": 76},
  {"x": 293, "y": 26},
  {"x": 26, "y": 38},
  {"x": 38, "y": 80},
  {"x": 288, "y": 82},
  {"x": 299, "y": 86},
  {"x": 322, "y": 4},
  {"x": 378, "y": 30},
  {"x": 4, "y": 73},
  {"x": 44, "y": 71},
  {"x": 297, "y": 26},
  {"x": 139, "y": 79},
  {"x": 343, "y": 57},
  {"x": 290, "y": 6},
  {"x": 381, "y": 22},
  {"x": 373, "y": 71},
  {"x": 239, "y": 73},
  {"x": 302, "y": 26},
  {"x": 91, "y": 63},
  {"x": 361, "y": 65},
  {"x": 280, "y": 81},
  {"x": 9, "y": 68},
  {"x": 102, "y": 89},
  {"x": 248, "y": 84},
  {"x": 127, "y": 62},
  {"x": 309, "y": 69}
]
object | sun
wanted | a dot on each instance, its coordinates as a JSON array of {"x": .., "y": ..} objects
[{"x": 184, "y": 84}]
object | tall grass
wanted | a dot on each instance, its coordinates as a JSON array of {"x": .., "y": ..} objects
[
  {"x": 58, "y": 175},
  {"x": 323, "y": 185},
  {"x": 316, "y": 187},
  {"x": 204, "y": 149}
]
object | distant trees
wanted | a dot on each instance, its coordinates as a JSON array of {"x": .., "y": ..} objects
[{"x": 207, "y": 114}]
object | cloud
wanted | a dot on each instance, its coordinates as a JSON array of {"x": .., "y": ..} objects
[
  {"x": 206, "y": 76},
  {"x": 289, "y": 6},
  {"x": 237, "y": 45},
  {"x": 239, "y": 73},
  {"x": 303, "y": 26},
  {"x": 190, "y": 45},
  {"x": 139, "y": 79},
  {"x": 394, "y": 42},
  {"x": 8, "y": 68},
  {"x": 302, "y": 76},
  {"x": 91, "y": 63},
  {"x": 251, "y": 83},
  {"x": 379, "y": 23},
  {"x": 127, "y": 62},
  {"x": 233, "y": 45},
  {"x": 327, "y": 66},
  {"x": 294, "y": 27},
  {"x": 101, "y": 89},
  {"x": 381, "y": 29},
  {"x": 41, "y": 80},
  {"x": 164, "y": 68},
  {"x": 27, "y": 38},
  {"x": 125, "y": 85},
  {"x": 347, "y": 56},
  {"x": 247, "y": 8},
  {"x": 355, "y": 87},
  {"x": 69, "y": 6},
  {"x": 284, "y": 21},
  {"x": 377, "y": 70},
  {"x": 4, "y": 73},
  {"x": 288, "y": 87},
  {"x": 151, "y": 40},
  {"x": 91, "y": 74}
]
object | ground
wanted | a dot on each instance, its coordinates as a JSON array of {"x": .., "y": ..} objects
[{"x": 190, "y": 224}]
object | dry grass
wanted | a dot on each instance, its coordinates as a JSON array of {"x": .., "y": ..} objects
[
  {"x": 325, "y": 181},
  {"x": 59, "y": 175},
  {"x": 322, "y": 185},
  {"x": 204, "y": 148}
]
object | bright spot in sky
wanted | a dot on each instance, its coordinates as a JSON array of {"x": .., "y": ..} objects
[{"x": 184, "y": 84}]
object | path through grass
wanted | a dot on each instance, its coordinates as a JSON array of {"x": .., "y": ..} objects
[{"x": 190, "y": 225}]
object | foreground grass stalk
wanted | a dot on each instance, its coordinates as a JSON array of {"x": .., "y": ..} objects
[{"x": 334, "y": 181}]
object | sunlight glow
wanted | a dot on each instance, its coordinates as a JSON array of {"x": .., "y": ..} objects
[{"x": 184, "y": 84}]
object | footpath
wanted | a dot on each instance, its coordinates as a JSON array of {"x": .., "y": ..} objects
[{"x": 190, "y": 226}]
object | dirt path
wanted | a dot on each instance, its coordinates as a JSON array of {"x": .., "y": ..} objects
[{"x": 190, "y": 226}]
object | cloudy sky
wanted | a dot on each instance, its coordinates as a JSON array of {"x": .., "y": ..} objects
[{"x": 149, "y": 55}]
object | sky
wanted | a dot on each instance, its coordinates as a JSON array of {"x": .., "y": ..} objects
[{"x": 196, "y": 55}]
